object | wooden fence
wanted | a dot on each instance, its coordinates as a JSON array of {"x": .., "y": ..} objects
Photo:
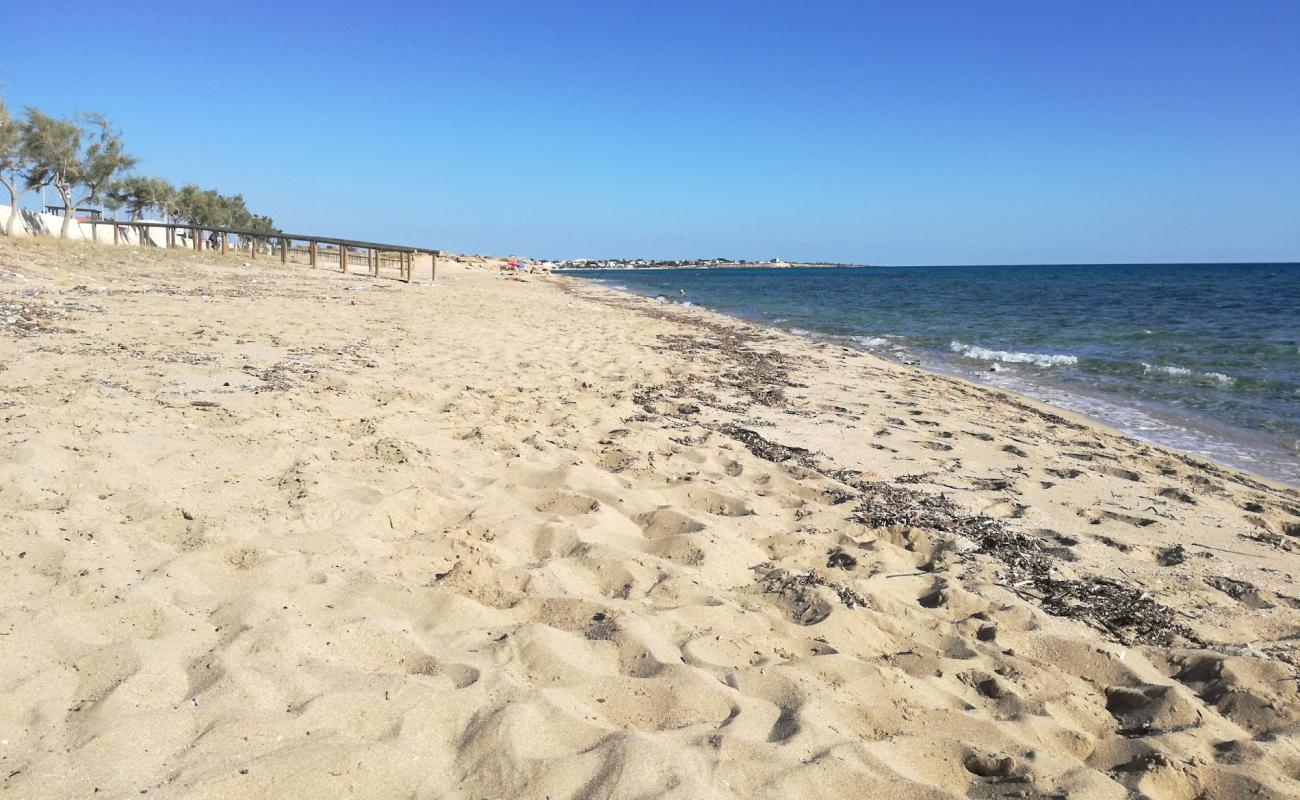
[{"x": 346, "y": 254}]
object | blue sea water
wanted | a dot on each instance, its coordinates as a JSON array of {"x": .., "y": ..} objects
[{"x": 1201, "y": 357}]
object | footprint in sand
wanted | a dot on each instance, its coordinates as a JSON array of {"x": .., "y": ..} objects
[
  {"x": 936, "y": 597},
  {"x": 1007, "y": 510},
  {"x": 1119, "y": 472},
  {"x": 1096, "y": 516},
  {"x": 786, "y": 726},
  {"x": 1171, "y": 493},
  {"x": 1000, "y": 768},
  {"x": 617, "y": 461},
  {"x": 1065, "y": 474},
  {"x": 1148, "y": 709},
  {"x": 664, "y": 522},
  {"x": 1253, "y": 694},
  {"x": 569, "y": 505},
  {"x": 100, "y": 673},
  {"x": 717, "y": 504}
]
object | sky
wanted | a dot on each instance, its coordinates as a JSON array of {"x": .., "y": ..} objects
[{"x": 919, "y": 132}]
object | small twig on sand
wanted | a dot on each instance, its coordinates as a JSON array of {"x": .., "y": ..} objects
[{"x": 1226, "y": 550}]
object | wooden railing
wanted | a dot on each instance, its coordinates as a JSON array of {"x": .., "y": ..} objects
[{"x": 343, "y": 253}]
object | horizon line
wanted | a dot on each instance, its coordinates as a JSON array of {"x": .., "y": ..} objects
[{"x": 850, "y": 264}]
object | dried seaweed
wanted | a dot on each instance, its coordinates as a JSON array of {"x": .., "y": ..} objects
[
  {"x": 798, "y": 590},
  {"x": 758, "y": 374},
  {"x": 1127, "y": 613},
  {"x": 768, "y": 450},
  {"x": 1270, "y": 539},
  {"x": 1236, "y": 589},
  {"x": 26, "y": 317}
]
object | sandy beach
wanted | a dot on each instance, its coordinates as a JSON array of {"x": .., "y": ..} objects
[{"x": 268, "y": 531}]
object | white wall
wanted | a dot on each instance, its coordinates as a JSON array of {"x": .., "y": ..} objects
[{"x": 31, "y": 223}]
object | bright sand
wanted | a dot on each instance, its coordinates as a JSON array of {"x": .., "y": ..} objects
[{"x": 274, "y": 532}]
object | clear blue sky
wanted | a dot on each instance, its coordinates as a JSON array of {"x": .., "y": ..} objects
[{"x": 892, "y": 132}]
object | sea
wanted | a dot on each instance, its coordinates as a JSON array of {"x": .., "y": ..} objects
[{"x": 1204, "y": 358}]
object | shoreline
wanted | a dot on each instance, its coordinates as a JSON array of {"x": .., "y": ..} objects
[
  {"x": 278, "y": 531},
  {"x": 979, "y": 266},
  {"x": 1044, "y": 406},
  {"x": 756, "y": 265},
  {"x": 1218, "y": 440}
]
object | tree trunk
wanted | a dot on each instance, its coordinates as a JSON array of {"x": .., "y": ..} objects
[
  {"x": 67, "y": 215},
  {"x": 13, "y": 209}
]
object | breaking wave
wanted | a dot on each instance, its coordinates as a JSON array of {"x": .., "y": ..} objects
[
  {"x": 871, "y": 341},
  {"x": 1012, "y": 357},
  {"x": 1189, "y": 374}
]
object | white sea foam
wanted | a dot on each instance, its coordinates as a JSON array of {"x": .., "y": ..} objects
[
  {"x": 1011, "y": 357},
  {"x": 1180, "y": 372},
  {"x": 1185, "y": 372},
  {"x": 1216, "y": 442},
  {"x": 871, "y": 341}
]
